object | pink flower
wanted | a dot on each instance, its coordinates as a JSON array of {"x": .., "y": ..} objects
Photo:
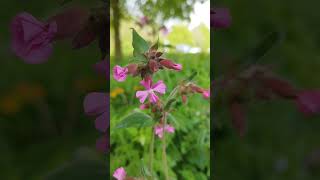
[
  {"x": 206, "y": 94},
  {"x": 170, "y": 64},
  {"x": 96, "y": 104},
  {"x": 220, "y": 18},
  {"x": 158, "y": 130},
  {"x": 309, "y": 102},
  {"x": 159, "y": 87},
  {"x": 120, "y": 174},
  {"x": 31, "y": 39},
  {"x": 120, "y": 73},
  {"x": 144, "y": 106}
]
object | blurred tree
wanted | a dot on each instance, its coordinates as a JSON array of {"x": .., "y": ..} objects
[
  {"x": 156, "y": 10},
  {"x": 116, "y": 23}
]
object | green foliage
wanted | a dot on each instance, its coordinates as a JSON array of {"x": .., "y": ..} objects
[
  {"x": 136, "y": 119},
  {"x": 140, "y": 46},
  {"x": 191, "y": 140}
]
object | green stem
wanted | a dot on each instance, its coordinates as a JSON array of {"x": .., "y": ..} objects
[
  {"x": 151, "y": 152},
  {"x": 164, "y": 154}
]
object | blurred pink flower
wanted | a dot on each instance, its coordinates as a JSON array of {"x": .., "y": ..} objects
[
  {"x": 144, "y": 20},
  {"x": 144, "y": 106},
  {"x": 220, "y": 18},
  {"x": 120, "y": 174},
  {"x": 308, "y": 102},
  {"x": 159, "y": 87},
  {"x": 96, "y": 104},
  {"x": 31, "y": 39},
  {"x": 120, "y": 73},
  {"x": 164, "y": 30},
  {"x": 206, "y": 94},
  {"x": 158, "y": 130},
  {"x": 170, "y": 64}
]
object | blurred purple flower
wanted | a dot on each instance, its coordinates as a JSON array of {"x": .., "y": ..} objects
[
  {"x": 31, "y": 39},
  {"x": 308, "y": 102},
  {"x": 96, "y": 104},
  {"x": 164, "y": 30},
  {"x": 220, "y": 18}
]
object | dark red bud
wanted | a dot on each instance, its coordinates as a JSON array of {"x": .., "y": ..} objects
[
  {"x": 133, "y": 69},
  {"x": 69, "y": 22},
  {"x": 184, "y": 98},
  {"x": 158, "y": 54},
  {"x": 170, "y": 64},
  {"x": 238, "y": 117},
  {"x": 280, "y": 87},
  {"x": 153, "y": 65},
  {"x": 196, "y": 88}
]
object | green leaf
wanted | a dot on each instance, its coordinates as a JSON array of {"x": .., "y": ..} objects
[
  {"x": 193, "y": 74},
  {"x": 156, "y": 45},
  {"x": 136, "y": 119},
  {"x": 140, "y": 46}
]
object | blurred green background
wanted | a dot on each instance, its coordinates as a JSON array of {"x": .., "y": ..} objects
[
  {"x": 43, "y": 129},
  {"x": 279, "y": 139},
  {"x": 189, "y": 147}
]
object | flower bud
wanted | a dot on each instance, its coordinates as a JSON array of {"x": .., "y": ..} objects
[
  {"x": 197, "y": 89},
  {"x": 308, "y": 102},
  {"x": 158, "y": 54},
  {"x": 280, "y": 87},
  {"x": 153, "y": 65},
  {"x": 184, "y": 98},
  {"x": 133, "y": 69},
  {"x": 170, "y": 65}
]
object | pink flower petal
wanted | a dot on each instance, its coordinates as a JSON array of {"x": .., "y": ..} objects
[
  {"x": 119, "y": 73},
  {"x": 309, "y": 102},
  {"x": 31, "y": 39},
  {"x": 158, "y": 130},
  {"x": 95, "y": 103},
  {"x": 120, "y": 174},
  {"x": 153, "y": 97},
  {"x": 169, "y": 129},
  {"x": 206, "y": 94},
  {"x": 102, "y": 122},
  {"x": 142, "y": 95},
  {"x": 146, "y": 83},
  {"x": 159, "y": 87}
]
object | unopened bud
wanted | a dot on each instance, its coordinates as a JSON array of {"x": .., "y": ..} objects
[
  {"x": 153, "y": 65},
  {"x": 184, "y": 98},
  {"x": 133, "y": 69},
  {"x": 280, "y": 87},
  {"x": 170, "y": 64}
]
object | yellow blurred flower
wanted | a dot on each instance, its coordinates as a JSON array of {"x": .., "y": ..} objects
[
  {"x": 115, "y": 92},
  {"x": 10, "y": 104},
  {"x": 137, "y": 88}
]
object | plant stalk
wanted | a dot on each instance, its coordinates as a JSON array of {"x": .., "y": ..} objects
[{"x": 164, "y": 154}]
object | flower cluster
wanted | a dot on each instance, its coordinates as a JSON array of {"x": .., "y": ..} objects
[{"x": 152, "y": 62}]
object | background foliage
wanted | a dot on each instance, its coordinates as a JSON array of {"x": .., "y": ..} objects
[{"x": 279, "y": 139}]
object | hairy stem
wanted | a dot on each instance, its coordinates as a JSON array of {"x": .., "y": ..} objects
[
  {"x": 151, "y": 152},
  {"x": 164, "y": 154}
]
